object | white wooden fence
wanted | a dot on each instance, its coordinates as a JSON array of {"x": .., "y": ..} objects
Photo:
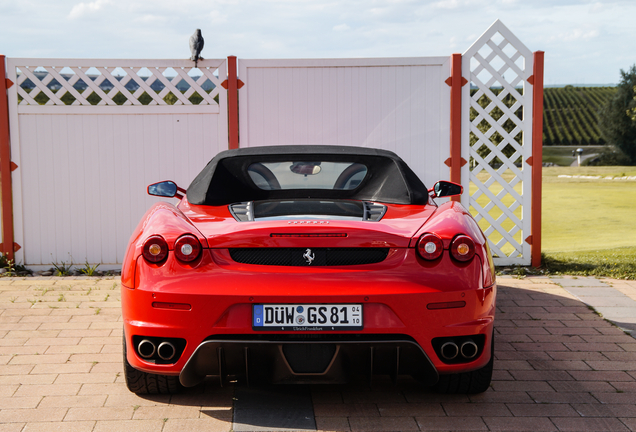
[
  {"x": 399, "y": 104},
  {"x": 108, "y": 128},
  {"x": 79, "y": 189}
]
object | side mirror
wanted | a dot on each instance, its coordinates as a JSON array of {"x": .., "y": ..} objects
[
  {"x": 445, "y": 189},
  {"x": 168, "y": 189}
]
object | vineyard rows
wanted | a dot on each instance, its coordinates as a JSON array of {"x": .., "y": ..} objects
[{"x": 570, "y": 115}]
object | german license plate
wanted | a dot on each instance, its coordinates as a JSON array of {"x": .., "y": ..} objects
[{"x": 307, "y": 317}]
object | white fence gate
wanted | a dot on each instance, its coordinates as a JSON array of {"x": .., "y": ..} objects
[
  {"x": 108, "y": 129},
  {"x": 399, "y": 104}
]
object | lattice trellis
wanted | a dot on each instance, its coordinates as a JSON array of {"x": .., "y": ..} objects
[
  {"x": 497, "y": 137},
  {"x": 120, "y": 83}
]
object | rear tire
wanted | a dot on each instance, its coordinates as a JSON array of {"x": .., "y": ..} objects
[
  {"x": 146, "y": 383},
  {"x": 476, "y": 381}
]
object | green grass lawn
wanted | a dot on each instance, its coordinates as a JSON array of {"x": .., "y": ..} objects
[
  {"x": 588, "y": 225},
  {"x": 618, "y": 263},
  {"x": 586, "y": 215}
]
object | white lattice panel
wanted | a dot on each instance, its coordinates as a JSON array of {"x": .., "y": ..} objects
[
  {"x": 116, "y": 83},
  {"x": 83, "y": 164},
  {"x": 497, "y": 140}
]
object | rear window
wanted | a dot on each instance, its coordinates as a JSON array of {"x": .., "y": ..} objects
[{"x": 307, "y": 175}]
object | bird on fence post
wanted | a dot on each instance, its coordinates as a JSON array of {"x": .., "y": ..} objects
[{"x": 196, "y": 46}]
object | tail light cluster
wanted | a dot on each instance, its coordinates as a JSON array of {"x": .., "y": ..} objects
[
  {"x": 430, "y": 247},
  {"x": 187, "y": 248},
  {"x": 155, "y": 249},
  {"x": 462, "y": 248}
]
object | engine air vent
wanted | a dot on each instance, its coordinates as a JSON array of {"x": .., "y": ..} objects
[
  {"x": 243, "y": 211},
  {"x": 373, "y": 212}
]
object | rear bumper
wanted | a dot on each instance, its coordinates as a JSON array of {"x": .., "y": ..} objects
[{"x": 398, "y": 322}]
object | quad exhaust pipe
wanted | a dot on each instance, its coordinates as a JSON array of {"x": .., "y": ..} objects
[
  {"x": 469, "y": 349},
  {"x": 450, "y": 350},
  {"x": 146, "y": 348},
  {"x": 165, "y": 350}
]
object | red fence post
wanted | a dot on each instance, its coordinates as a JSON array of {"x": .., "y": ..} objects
[
  {"x": 5, "y": 166},
  {"x": 456, "y": 83},
  {"x": 232, "y": 103},
  {"x": 537, "y": 155}
]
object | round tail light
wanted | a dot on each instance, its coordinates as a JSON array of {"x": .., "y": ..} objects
[
  {"x": 462, "y": 248},
  {"x": 430, "y": 246},
  {"x": 187, "y": 248},
  {"x": 155, "y": 249}
]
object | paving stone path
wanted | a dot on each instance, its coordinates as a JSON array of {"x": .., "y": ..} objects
[{"x": 559, "y": 367}]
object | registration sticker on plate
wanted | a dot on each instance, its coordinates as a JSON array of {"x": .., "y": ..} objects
[{"x": 307, "y": 317}]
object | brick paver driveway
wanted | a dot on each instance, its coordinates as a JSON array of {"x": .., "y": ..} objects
[{"x": 559, "y": 367}]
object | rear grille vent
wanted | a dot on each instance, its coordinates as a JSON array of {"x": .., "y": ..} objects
[
  {"x": 305, "y": 257},
  {"x": 243, "y": 211},
  {"x": 373, "y": 212}
]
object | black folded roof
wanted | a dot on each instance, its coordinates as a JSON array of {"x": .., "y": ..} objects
[{"x": 225, "y": 179}]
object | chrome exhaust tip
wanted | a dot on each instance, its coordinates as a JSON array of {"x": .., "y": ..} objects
[
  {"x": 449, "y": 350},
  {"x": 166, "y": 351},
  {"x": 146, "y": 348},
  {"x": 469, "y": 349}
]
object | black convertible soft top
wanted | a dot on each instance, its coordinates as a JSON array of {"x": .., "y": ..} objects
[{"x": 225, "y": 179}]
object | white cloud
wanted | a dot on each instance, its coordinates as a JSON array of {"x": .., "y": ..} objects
[
  {"x": 446, "y": 4},
  {"x": 597, "y": 7},
  {"x": 151, "y": 19},
  {"x": 82, "y": 9},
  {"x": 217, "y": 17},
  {"x": 341, "y": 28},
  {"x": 577, "y": 35}
]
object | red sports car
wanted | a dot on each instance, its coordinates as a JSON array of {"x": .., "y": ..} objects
[{"x": 307, "y": 264}]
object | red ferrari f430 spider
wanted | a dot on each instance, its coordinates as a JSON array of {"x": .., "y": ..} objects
[{"x": 307, "y": 264}]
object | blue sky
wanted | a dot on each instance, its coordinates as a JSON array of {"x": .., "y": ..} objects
[{"x": 586, "y": 42}]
